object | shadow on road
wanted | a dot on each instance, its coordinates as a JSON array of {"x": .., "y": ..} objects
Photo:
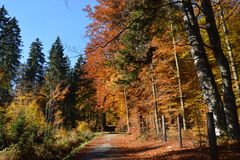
[{"x": 102, "y": 150}]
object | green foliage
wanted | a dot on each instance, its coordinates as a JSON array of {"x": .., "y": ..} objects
[
  {"x": 10, "y": 43},
  {"x": 33, "y": 72},
  {"x": 63, "y": 141},
  {"x": 38, "y": 107},
  {"x": 18, "y": 128},
  {"x": 58, "y": 66},
  {"x": 57, "y": 83},
  {"x": 10, "y": 153},
  {"x": 57, "y": 146},
  {"x": 25, "y": 132},
  {"x": 82, "y": 91},
  {"x": 2, "y": 130},
  {"x": 138, "y": 51},
  {"x": 2, "y": 136}
]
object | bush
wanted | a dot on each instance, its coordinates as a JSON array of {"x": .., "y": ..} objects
[
  {"x": 63, "y": 141},
  {"x": 30, "y": 137},
  {"x": 82, "y": 126},
  {"x": 10, "y": 153}
]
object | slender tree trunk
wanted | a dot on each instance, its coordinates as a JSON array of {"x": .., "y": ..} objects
[
  {"x": 147, "y": 124},
  {"x": 48, "y": 110},
  {"x": 179, "y": 79},
  {"x": 155, "y": 101},
  {"x": 97, "y": 123},
  {"x": 159, "y": 122},
  {"x": 127, "y": 109},
  {"x": 3, "y": 96},
  {"x": 103, "y": 121},
  {"x": 229, "y": 51},
  {"x": 204, "y": 72},
  {"x": 142, "y": 130},
  {"x": 228, "y": 95}
]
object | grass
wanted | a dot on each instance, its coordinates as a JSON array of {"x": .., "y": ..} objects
[{"x": 76, "y": 150}]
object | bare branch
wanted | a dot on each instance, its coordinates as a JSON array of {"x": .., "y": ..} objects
[
  {"x": 207, "y": 46},
  {"x": 226, "y": 19},
  {"x": 127, "y": 27},
  {"x": 116, "y": 36}
]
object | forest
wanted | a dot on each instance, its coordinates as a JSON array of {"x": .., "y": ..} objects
[{"x": 150, "y": 73}]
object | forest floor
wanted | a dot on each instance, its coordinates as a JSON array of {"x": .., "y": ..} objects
[{"x": 127, "y": 147}]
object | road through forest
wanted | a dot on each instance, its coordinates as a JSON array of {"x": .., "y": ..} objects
[
  {"x": 100, "y": 149},
  {"x": 131, "y": 147}
]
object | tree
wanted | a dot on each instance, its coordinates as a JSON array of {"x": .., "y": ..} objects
[
  {"x": 33, "y": 76},
  {"x": 127, "y": 53},
  {"x": 229, "y": 50},
  {"x": 10, "y": 43},
  {"x": 232, "y": 26},
  {"x": 82, "y": 84},
  {"x": 56, "y": 81},
  {"x": 205, "y": 75},
  {"x": 58, "y": 65},
  {"x": 228, "y": 95},
  {"x": 83, "y": 90},
  {"x": 3, "y": 18},
  {"x": 176, "y": 58}
]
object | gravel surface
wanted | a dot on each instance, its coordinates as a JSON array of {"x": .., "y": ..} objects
[
  {"x": 99, "y": 152},
  {"x": 130, "y": 147}
]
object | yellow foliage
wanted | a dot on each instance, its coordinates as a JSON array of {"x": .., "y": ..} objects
[
  {"x": 31, "y": 110},
  {"x": 58, "y": 118},
  {"x": 34, "y": 115},
  {"x": 82, "y": 126},
  {"x": 61, "y": 133},
  {"x": 60, "y": 93},
  {"x": 10, "y": 153}
]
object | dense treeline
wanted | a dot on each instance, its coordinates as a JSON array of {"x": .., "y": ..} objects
[
  {"x": 167, "y": 58},
  {"x": 144, "y": 59},
  {"x": 46, "y": 107}
]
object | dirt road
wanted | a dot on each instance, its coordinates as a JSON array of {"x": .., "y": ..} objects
[
  {"x": 100, "y": 148},
  {"x": 130, "y": 147}
]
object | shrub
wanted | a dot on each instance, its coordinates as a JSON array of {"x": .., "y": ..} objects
[
  {"x": 10, "y": 153},
  {"x": 30, "y": 137},
  {"x": 82, "y": 126}
]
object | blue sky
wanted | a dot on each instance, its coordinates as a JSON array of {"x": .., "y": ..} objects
[{"x": 47, "y": 19}]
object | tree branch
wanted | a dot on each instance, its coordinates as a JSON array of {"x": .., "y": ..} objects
[
  {"x": 236, "y": 7},
  {"x": 127, "y": 27}
]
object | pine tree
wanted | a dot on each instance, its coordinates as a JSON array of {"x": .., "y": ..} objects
[
  {"x": 11, "y": 40},
  {"x": 79, "y": 68},
  {"x": 34, "y": 70},
  {"x": 10, "y": 43},
  {"x": 3, "y": 18},
  {"x": 58, "y": 66},
  {"x": 83, "y": 85},
  {"x": 82, "y": 90},
  {"x": 56, "y": 81},
  {"x": 3, "y": 22}
]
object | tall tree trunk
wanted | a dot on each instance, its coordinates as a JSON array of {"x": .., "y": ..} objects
[
  {"x": 103, "y": 121},
  {"x": 223, "y": 65},
  {"x": 204, "y": 72},
  {"x": 155, "y": 101},
  {"x": 179, "y": 79},
  {"x": 4, "y": 96},
  {"x": 229, "y": 51},
  {"x": 127, "y": 109}
]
